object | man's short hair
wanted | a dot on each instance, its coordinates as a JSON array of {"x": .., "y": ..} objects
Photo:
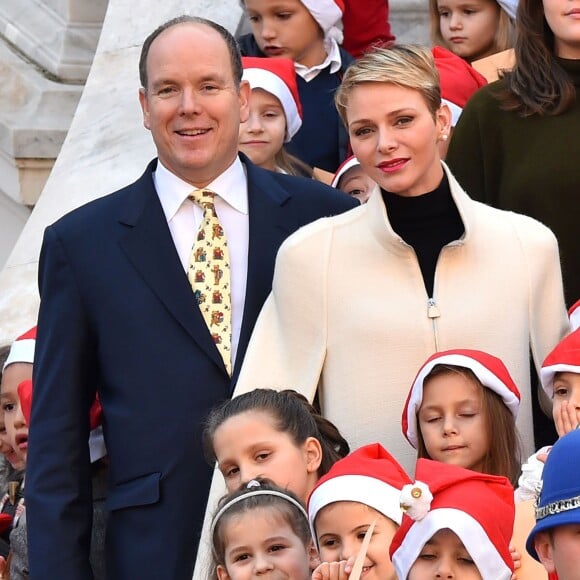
[{"x": 231, "y": 43}]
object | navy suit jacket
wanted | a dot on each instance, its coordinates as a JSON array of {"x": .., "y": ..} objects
[{"x": 118, "y": 316}]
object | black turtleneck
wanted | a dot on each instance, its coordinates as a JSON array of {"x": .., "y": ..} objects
[{"x": 427, "y": 223}]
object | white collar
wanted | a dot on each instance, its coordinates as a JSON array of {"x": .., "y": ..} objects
[
  {"x": 231, "y": 186},
  {"x": 333, "y": 59}
]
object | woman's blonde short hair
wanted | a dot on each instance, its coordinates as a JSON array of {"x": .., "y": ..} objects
[
  {"x": 404, "y": 65},
  {"x": 504, "y": 35}
]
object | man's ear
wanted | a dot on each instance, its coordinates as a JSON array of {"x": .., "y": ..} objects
[
  {"x": 313, "y": 556},
  {"x": 545, "y": 550},
  {"x": 313, "y": 451},
  {"x": 222, "y": 573},
  {"x": 144, "y": 107},
  {"x": 245, "y": 93}
]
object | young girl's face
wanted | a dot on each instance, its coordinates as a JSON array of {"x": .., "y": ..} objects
[
  {"x": 286, "y": 28},
  {"x": 444, "y": 556},
  {"x": 6, "y": 447},
  {"x": 341, "y": 528},
  {"x": 357, "y": 183},
  {"x": 262, "y": 543},
  {"x": 452, "y": 422},
  {"x": 469, "y": 26},
  {"x": 262, "y": 135},
  {"x": 566, "y": 402},
  {"x": 16, "y": 427},
  {"x": 248, "y": 446}
]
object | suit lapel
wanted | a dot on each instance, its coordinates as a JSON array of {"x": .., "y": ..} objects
[
  {"x": 268, "y": 227},
  {"x": 150, "y": 248}
]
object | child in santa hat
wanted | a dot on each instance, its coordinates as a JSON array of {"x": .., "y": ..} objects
[
  {"x": 308, "y": 32},
  {"x": 560, "y": 376},
  {"x": 462, "y": 409},
  {"x": 359, "y": 491},
  {"x": 555, "y": 539},
  {"x": 473, "y": 35},
  {"x": 351, "y": 178},
  {"x": 16, "y": 398},
  {"x": 459, "y": 80},
  {"x": 457, "y": 524},
  {"x": 275, "y": 115}
]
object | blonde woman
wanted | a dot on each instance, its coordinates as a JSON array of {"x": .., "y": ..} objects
[{"x": 359, "y": 301}]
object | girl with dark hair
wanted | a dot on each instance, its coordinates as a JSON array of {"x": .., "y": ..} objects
[{"x": 274, "y": 434}]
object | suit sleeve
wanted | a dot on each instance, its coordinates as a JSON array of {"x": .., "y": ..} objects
[
  {"x": 58, "y": 484},
  {"x": 288, "y": 346}
]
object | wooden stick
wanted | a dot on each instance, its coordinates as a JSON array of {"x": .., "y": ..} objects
[{"x": 362, "y": 554}]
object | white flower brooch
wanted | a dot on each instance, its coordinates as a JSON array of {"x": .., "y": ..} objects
[{"x": 416, "y": 500}]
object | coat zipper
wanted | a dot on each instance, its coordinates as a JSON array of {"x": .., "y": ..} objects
[{"x": 433, "y": 313}]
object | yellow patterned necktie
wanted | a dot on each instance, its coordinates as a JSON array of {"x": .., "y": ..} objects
[{"x": 209, "y": 275}]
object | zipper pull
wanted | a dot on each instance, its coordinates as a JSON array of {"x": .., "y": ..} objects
[{"x": 432, "y": 309}]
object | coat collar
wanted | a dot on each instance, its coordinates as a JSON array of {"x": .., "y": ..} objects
[{"x": 380, "y": 226}]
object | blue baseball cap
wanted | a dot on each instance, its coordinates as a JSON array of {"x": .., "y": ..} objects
[{"x": 559, "y": 501}]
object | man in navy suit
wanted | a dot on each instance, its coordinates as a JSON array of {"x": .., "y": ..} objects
[{"x": 118, "y": 317}]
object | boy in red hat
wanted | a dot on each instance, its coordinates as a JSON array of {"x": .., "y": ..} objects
[
  {"x": 360, "y": 489},
  {"x": 309, "y": 33},
  {"x": 457, "y": 524}
]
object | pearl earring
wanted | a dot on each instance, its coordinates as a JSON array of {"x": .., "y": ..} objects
[{"x": 444, "y": 137}]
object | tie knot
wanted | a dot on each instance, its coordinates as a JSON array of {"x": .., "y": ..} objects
[{"x": 203, "y": 197}]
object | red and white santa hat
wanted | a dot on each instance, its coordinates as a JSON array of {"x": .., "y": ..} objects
[
  {"x": 489, "y": 370},
  {"x": 574, "y": 316},
  {"x": 369, "y": 475},
  {"x": 458, "y": 80},
  {"x": 565, "y": 358},
  {"x": 328, "y": 14},
  {"x": 509, "y": 6},
  {"x": 477, "y": 507},
  {"x": 278, "y": 77},
  {"x": 22, "y": 349},
  {"x": 345, "y": 166}
]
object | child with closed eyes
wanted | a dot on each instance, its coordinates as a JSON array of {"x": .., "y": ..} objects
[
  {"x": 462, "y": 410},
  {"x": 457, "y": 524},
  {"x": 261, "y": 530}
]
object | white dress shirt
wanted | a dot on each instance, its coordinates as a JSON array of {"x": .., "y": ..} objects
[
  {"x": 333, "y": 60},
  {"x": 231, "y": 205}
]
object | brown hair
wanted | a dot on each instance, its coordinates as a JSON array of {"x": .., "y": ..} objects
[
  {"x": 537, "y": 85},
  {"x": 286, "y": 508},
  {"x": 504, "y": 35},
  {"x": 291, "y": 164},
  {"x": 503, "y": 455},
  {"x": 291, "y": 413},
  {"x": 408, "y": 66}
]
